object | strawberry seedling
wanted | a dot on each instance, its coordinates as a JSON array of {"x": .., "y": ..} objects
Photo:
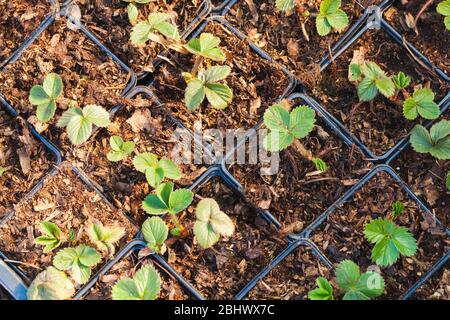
[
  {"x": 119, "y": 149},
  {"x": 44, "y": 97},
  {"x": 156, "y": 170},
  {"x": 145, "y": 285},
  {"x": 105, "y": 237},
  {"x": 51, "y": 236},
  {"x": 435, "y": 142}
]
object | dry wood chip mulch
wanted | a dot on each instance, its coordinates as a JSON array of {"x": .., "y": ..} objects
[
  {"x": 26, "y": 161},
  {"x": 341, "y": 236},
  {"x": 89, "y": 76},
  {"x": 18, "y": 20},
  {"x": 66, "y": 201},
  {"x": 437, "y": 287}
]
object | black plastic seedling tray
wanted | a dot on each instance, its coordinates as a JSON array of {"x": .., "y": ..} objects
[
  {"x": 13, "y": 279},
  {"x": 219, "y": 9},
  {"x": 396, "y": 38}
]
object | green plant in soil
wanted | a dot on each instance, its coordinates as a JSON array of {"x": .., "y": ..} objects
[
  {"x": 145, "y": 285},
  {"x": 356, "y": 286},
  {"x": 421, "y": 103},
  {"x": 104, "y": 237},
  {"x": 166, "y": 200},
  {"x": 119, "y": 149},
  {"x": 447, "y": 181},
  {"x": 79, "y": 122},
  {"x": 390, "y": 240},
  {"x": 286, "y": 128},
  {"x": 156, "y": 24},
  {"x": 444, "y": 9},
  {"x": 51, "y": 284},
  {"x": 330, "y": 16},
  {"x": 2, "y": 170},
  {"x": 50, "y": 238},
  {"x": 211, "y": 223},
  {"x": 79, "y": 261},
  {"x": 401, "y": 80},
  {"x": 155, "y": 233},
  {"x": 206, "y": 46},
  {"x": 132, "y": 9},
  {"x": 435, "y": 142},
  {"x": 156, "y": 170},
  {"x": 44, "y": 97}
]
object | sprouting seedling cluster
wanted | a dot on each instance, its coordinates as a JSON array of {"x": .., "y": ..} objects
[
  {"x": 285, "y": 128},
  {"x": 79, "y": 122},
  {"x": 77, "y": 260},
  {"x": 156, "y": 22},
  {"x": 145, "y": 285},
  {"x": 119, "y": 149},
  {"x": 156, "y": 170},
  {"x": 351, "y": 282},
  {"x": 330, "y": 15},
  {"x": 436, "y": 141},
  {"x": 444, "y": 9}
]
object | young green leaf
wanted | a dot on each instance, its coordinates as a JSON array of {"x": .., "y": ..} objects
[
  {"x": 51, "y": 237},
  {"x": 285, "y": 127},
  {"x": 145, "y": 285},
  {"x": 397, "y": 209},
  {"x": 436, "y": 142},
  {"x": 211, "y": 223},
  {"x": 207, "y": 46},
  {"x": 390, "y": 241},
  {"x": 156, "y": 22},
  {"x": 155, "y": 171},
  {"x": 133, "y": 13},
  {"x": 320, "y": 164},
  {"x": 323, "y": 292},
  {"x": 51, "y": 284},
  {"x": 166, "y": 200},
  {"x": 79, "y": 122},
  {"x": 355, "y": 72},
  {"x": 105, "y": 237},
  {"x": 421, "y": 103},
  {"x": 78, "y": 260},
  {"x": 447, "y": 181},
  {"x": 374, "y": 80},
  {"x": 401, "y": 80},
  {"x": 285, "y": 5},
  {"x": 444, "y": 9},
  {"x": 331, "y": 17},
  {"x": 206, "y": 85},
  {"x": 2, "y": 170},
  {"x": 155, "y": 233},
  {"x": 45, "y": 96},
  {"x": 120, "y": 149}
]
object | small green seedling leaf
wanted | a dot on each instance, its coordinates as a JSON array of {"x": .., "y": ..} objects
[
  {"x": 285, "y": 127},
  {"x": 390, "y": 241},
  {"x": 421, "y": 103},
  {"x": 211, "y": 223},
  {"x": 444, "y": 9},
  {"x": 166, "y": 200},
  {"x": 401, "y": 80},
  {"x": 331, "y": 17},
  {"x": 374, "y": 80},
  {"x": 2, "y": 170},
  {"x": 156, "y": 22},
  {"x": 79, "y": 122},
  {"x": 105, "y": 237},
  {"x": 133, "y": 13},
  {"x": 447, "y": 181},
  {"x": 207, "y": 46},
  {"x": 355, "y": 72},
  {"x": 155, "y": 233},
  {"x": 397, "y": 209},
  {"x": 51, "y": 238},
  {"x": 51, "y": 284},
  {"x": 78, "y": 260},
  {"x": 206, "y": 85},
  {"x": 45, "y": 96},
  {"x": 323, "y": 292},
  {"x": 436, "y": 142},
  {"x": 156, "y": 170},
  {"x": 145, "y": 285},
  {"x": 320, "y": 164},
  {"x": 285, "y": 5},
  {"x": 356, "y": 286},
  {"x": 119, "y": 149}
]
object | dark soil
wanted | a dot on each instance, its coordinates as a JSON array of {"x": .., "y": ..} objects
[
  {"x": 292, "y": 279},
  {"x": 26, "y": 161},
  {"x": 430, "y": 37},
  {"x": 341, "y": 236},
  {"x": 152, "y": 132},
  {"x": 298, "y": 193},
  {"x": 108, "y": 20},
  {"x": 379, "y": 124},
  {"x": 426, "y": 176},
  {"x": 220, "y": 272},
  {"x": 256, "y": 84},
  {"x": 88, "y": 74},
  {"x": 437, "y": 287},
  {"x": 67, "y": 202},
  {"x": 126, "y": 268},
  {"x": 18, "y": 20},
  {"x": 280, "y": 34}
]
